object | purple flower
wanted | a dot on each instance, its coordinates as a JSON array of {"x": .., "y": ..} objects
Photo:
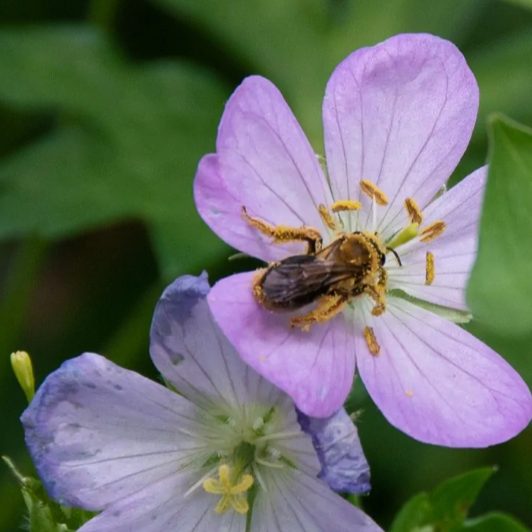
[
  {"x": 397, "y": 119},
  {"x": 105, "y": 438}
]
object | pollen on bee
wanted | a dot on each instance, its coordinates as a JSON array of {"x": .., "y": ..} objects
[
  {"x": 432, "y": 231},
  {"x": 371, "y": 340},
  {"x": 374, "y": 192},
  {"x": 346, "y": 205},
  {"x": 429, "y": 271},
  {"x": 326, "y": 217},
  {"x": 413, "y": 211}
]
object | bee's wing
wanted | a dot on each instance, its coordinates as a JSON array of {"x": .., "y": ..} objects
[{"x": 302, "y": 277}]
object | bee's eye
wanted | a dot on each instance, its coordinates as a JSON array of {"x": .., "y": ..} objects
[{"x": 383, "y": 259}]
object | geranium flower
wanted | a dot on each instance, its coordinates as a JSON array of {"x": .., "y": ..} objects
[
  {"x": 397, "y": 119},
  {"x": 227, "y": 449}
]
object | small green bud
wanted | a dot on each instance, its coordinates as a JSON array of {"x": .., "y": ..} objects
[{"x": 23, "y": 369}]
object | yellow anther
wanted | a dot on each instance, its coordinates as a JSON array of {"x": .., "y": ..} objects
[
  {"x": 346, "y": 205},
  {"x": 232, "y": 493},
  {"x": 409, "y": 393},
  {"x": 430, "y": 272},
  {"x": 23, "y": 370},
  {"x": 326, "y": 217},
  {"x": 371, "y": 340},
  {"x": 432, "y": 231},
  {"x": 374, "y": 192},
  {"x": 404, "y": 236},
  {"x": 414, "y": 212}
]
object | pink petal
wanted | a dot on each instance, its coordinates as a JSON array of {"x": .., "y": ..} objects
[
  {"x": 399, "y": 114},
  {"x": 454, "y": 251},
  {"x": 295, "y": 502},
  {"x": 265, "y": 163},
  {"x": 314, "y": 367},
  {"x": 438, "y": 383},
  {"x": 192, "y": 354}
]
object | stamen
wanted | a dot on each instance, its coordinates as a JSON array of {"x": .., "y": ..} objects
[
  {"x": 414, "y": 212},
  {"x": 373, "y": 192},
  {"x": 432, "y": 231},
  {"x": 430, "y": 272},
  {"x": 232, "y": 494},
  {"x": 345, "y": 205},
  {"x": 373, "y": 346},
  {"x": 326, "y": 217}
]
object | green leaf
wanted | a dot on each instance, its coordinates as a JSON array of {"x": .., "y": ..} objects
[
  {"x": 504, "y": 74},
  {"x": 127, "y": 146},
  {"x": 444, "y": 508},
  {"x": 500, "y": 288},
  {"x": 493, "y": 522}
]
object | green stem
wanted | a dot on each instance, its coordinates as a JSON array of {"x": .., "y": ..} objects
[
  {"x": 19, "y": 287},
  {"x": 102, "y": 13},
  {"x": 132, "y": 336}
]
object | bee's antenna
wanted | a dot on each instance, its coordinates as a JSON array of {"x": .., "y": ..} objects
[{"x": 396, "y": 256}]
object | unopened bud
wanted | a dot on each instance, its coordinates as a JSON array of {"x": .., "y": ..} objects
[{"x": 23, "y": 370}]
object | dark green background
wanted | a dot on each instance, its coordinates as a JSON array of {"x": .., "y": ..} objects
[{"x": 106, "y": 107}]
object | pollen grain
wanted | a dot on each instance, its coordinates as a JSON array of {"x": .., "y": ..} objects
[
  {"x": 413, "y": 210},
  {"x": 432, "y": 231},
  {"x": 374, "y": 192},
  {"x": 430, "y": 273},
  {"x": 346, "y": 205},
  {"x": 371, "y": 340}
]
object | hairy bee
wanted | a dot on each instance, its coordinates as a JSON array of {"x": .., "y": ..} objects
[{"x": 350, "y": 266}]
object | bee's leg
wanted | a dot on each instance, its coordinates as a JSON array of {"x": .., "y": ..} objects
[
  {"x": 285, "y": 233},
  {"x": 377, "y": 294},
  {"x": 383, "y": 279},
  {"x": 328, "y": 307}
]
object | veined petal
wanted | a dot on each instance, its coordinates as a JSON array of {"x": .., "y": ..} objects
[
  {"x": 191, "y": 352},
  {"x": 438, "y": 383},
  {"x": 344, "y": 466},
  {"x": 265, "y": 163},
  {"x": 454, "y": 251},
  {"x": 399, "y": 114},
  {"x": 98, "y": 433},
  {"x": 161, "y": 507},
  {"x": 222, "y": 212},
  {"x": 295, "y": 502},
  {"x": 314, "y": 367}
]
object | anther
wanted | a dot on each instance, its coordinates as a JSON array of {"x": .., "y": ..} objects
[
  {"x": 430, "y": 272},
  {"x": 346, "y": 205},
  {"x": 326, "y": 217},
  {"x": 232, "y": 493},
  {"x": 373, "y": 192},
  {"x": 414, "y": 212},
  {"x": 371, "y": 340},
  {"x": 432, "y": 231}
]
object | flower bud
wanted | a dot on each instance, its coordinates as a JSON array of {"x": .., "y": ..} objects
[{"x": 23, "y": 369}]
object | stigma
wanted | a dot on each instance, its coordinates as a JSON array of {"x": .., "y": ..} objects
[{"x": 233, "y": 493}]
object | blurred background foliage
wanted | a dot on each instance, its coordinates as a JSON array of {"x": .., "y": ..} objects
[{"x": 106, "y": 107}]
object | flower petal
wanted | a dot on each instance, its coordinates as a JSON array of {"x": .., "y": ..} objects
[
  {"x": 160, "y": 508},
  {"x": 344, "y": 466},
  {"x": 265, "y": 163},
  {"x": 399, "y": 114},
  {"x": 314, "y": 367},
  {"x": 89, "y": 454},
  {"x": 295, "y": 502},
  {"x": 454, "y": 251},
  {"x": 191, "y": 352},
  {"x": 438, "y": 383}
]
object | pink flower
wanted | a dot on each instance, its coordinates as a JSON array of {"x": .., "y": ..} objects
[{"x": 397, "y": 119}]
